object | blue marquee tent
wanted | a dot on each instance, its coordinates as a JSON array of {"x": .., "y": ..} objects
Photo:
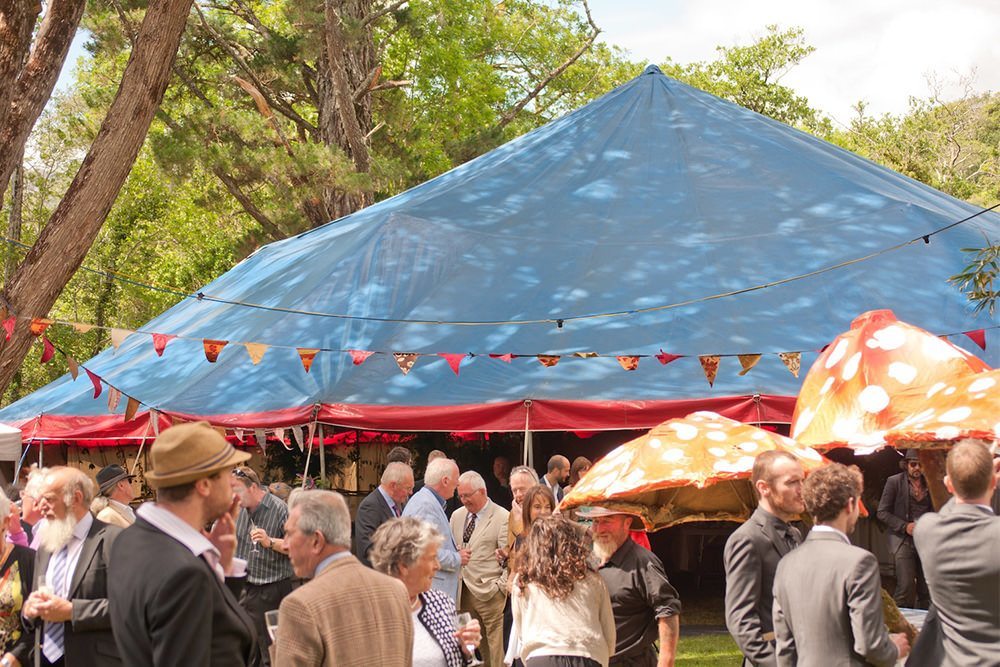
[{"x": 617, "y": 229}]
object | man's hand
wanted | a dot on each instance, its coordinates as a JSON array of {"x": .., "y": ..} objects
[
  {"x": 502, "y": 555},
  {"x": 29, "y": 609},
  {"x": 465, "y": 554},
  {"x": 223, "y": 536},
  {"x": 909, "y": 528},
  {"x": 54, "y": 609},
  {"x": 902, "y": 643},
  {"x": 14, "y": 520},
  {"x": 260, "y": 536}
]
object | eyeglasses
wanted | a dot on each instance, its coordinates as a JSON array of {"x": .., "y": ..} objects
[
  {"x": 913, "y": 464},
  {"x": 247, "y": 474}
]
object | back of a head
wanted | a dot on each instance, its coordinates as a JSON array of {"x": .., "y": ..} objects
[
  {"x": 397, "y": 472},
  {"x": 437, "y": 470},
  {"x": 763, "y": 466},
  {"x": 556, "y": 555},
  {"x": 399, "y": 455},
  {"x": 435, "y": 454},
  {"x": 324, "y": 512},
  {"x": 827, "y": 490},
  {"x": 970, "y": 469}
]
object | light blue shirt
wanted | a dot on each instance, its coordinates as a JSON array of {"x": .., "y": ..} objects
[{"x": 328, "y": 561}]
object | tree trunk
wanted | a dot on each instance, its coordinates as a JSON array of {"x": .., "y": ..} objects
[
  {"x": 35, "y": 80},
  {"x": 63, "y": 244},
  {"x": 932, "y": 463},
  {"x": 17, "y": 21}
]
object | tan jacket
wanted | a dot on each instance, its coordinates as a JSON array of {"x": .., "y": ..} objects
[
  {"x": 348, "y": 616},
  {"x": 108, "y": 513},
  {"x": 483, "y": 575}
]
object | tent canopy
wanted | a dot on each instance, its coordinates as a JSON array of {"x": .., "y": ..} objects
[{"x": 656, "y": 194}]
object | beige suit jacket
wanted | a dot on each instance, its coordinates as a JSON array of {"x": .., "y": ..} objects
[
  {"x": 348, "y": 616},
  {"x": 111, "y": 514},
  {"x": 483, "y": 575}
]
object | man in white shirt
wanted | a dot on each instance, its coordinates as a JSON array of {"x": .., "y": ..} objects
[{"x": 558, "y": 474}]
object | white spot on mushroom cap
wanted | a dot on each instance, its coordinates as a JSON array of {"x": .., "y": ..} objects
[
  {"x": 935, "y": 388},
  {"x": 804, "y": 419},
  {"x": 718, "y": 452},
  {"x": 956, "y": 414},
  {"x": 902, "y": 372},
  {"x": 826, "y": 385},
  {"x": 851, "y": 367},
  {"x": 981, "y": 384},
  {"x": 844, "y": 428},
  {"x": 655, "y": 443},
  {"x": 717, "y": 436},
  {"x": 891, "y": 337},
  {"x": 947, "y": 432},
  {"x": 685, "y": 431},
  {"x": 749, "y": 446},
  {"x": 873, "y": 398},
  {"x": 673, "y": 454},
  {"x": 838, "y": 352}
]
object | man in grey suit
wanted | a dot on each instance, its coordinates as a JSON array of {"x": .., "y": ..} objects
[
  {"x": 382, "y": 504},
  {"x": 440, "y": 482},
  {"x": 906, "y": 498},
  {"x": 958, "y": 548},
  {"x": 827, "y": 598},
  {"x": 753, "y": 551}
]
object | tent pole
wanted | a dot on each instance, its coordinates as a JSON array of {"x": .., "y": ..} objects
[
  {"x": 322, "y": 455},
  {"x": 305, "y": 473},
  {"x": 528, "y": 457}
]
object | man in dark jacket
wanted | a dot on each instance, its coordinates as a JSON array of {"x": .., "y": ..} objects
[{"x": 905, "y": 499}]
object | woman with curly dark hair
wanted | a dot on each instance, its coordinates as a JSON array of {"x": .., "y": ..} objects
[{"x": 562, "y": 610}]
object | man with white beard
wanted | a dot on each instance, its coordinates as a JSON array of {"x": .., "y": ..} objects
[{"x": 71, "y": 604}]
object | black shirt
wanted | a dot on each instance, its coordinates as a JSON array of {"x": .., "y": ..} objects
[{"x": 640, "y": 595}]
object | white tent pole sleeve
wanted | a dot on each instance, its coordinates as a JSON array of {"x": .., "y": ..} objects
[
  {"x": 528, "y": 457},
  {"x": 305, "y": 473},
  {"x": 322, "y": 455},
  {"x": 145, "y": 436}
]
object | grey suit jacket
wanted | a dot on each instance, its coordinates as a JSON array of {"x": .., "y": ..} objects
[
  {"x": 372, "y": 513},
  {"x": 959, "y": 553},
  {"x": 828, "y": 606},
  {"x": 425, "y": 505},
  {"x": 893, "y": 508},
  {"x": 751, "y": 557},
  {"x": 88, "y": 639}
]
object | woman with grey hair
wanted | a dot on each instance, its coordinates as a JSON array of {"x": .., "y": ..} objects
[
  {"x": 407, "y": 549},
  {"x": 17, "y": 566}
]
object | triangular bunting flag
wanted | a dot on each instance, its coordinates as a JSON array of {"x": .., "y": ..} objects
[
  {"x": 454, "y": 360},
  {"x": 306, "y": 355},
  {"x": 39, "y": 325},
  {"x": 665, "y": 357},
  {"x": 710, "y": 364},
  {"x": 95, "y": 380},
  {"x": 74, "y": 368},
  {"x": 978, "y": 337},
  {"x": 213, "y": 348},
  {"x": 114, "y": 398},
  {"x": 48, "y": 351},
  {"x": 8, "y": 326},
  {"x": 83, "y": 328},
  {"x": 747, "y": 361},
  {"x": 629, "y": 363},
  {"x": 260, "y": 436},
  {"x": 585, "y": 355},
  {"x": 503, "y": 357},
  {"x": 405, "y": 361},
  {"x": 297, "y": 437},
  {"x": 359, "y": 357},
  {"x": 160, "y": 342},
  {"x": 118, "y": 336},
  {"x": 279, "y": 434},
  {"x": 792, "y": 360},
  {"x": 548, "y": 360},
  {"x": 256, "y": 351},
  {"x": 131, "y": 408}
]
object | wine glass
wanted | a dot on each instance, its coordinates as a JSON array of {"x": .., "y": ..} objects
[
  {"x": 45, "y": 586},
  {"x": 256, "y": 545},
  {"x": 461, "y": 620}
]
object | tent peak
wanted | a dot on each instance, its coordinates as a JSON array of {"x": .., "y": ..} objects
[{"x": 652, "y": 69}]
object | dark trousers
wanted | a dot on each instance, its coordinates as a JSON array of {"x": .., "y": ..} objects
[
  {"x": 911, "y": 587},
  {"x": 260, "y": 598},
  {"x": 561, "y": 661},
  {"x": 646, "y": 658}
]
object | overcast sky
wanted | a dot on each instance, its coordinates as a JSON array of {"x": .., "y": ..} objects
[{"x": 880, "y": 51}]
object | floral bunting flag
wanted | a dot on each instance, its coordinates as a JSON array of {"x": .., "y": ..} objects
[
  {"x": 747, "y": 361},
  {"x": 548, "y": 360},
  {"x": 83, "y": 328},
  {"x": 118, "y": 336},
  {"x": 256, "y": 351},
  {"x": 74, "y": 368},
  {"x": 503, "y": 357},
  {"x": 160, "y": 342},
  {"x": 978, "y": 337},
  {"x": 665, "y": 357},
  {"x": 454, "y": 360},
  {"x": 585, "y": 355},
  {"x": 39, "y": 325},
  {"x": 95, "y": 380},
  {"x": 306, "y": 355},
  {"x": 792, "y": 360},
  {"x": 8, "y": 326},
  {"x": 213, "y": 348},
  {"x": 131, "y": 407},
  {"x": 114, "y": 398},
  {"x": 359, "y": 357},
  {"x": 48, "y": 350},
  {"x": 405, "y": 361},
  {"x": 629, "y": 363},
  {"x": 710, "y": 364}
]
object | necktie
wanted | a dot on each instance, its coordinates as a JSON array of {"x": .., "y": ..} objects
[
  {"x": 53, "y": 644},
  {"x": 469, "y": 527},
  {"x": 395, "y": 509},
  {"x": 792, "y": 536}
]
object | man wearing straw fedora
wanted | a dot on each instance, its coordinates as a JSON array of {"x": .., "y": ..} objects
[
  {"x": 114, "y": 495},
  {"x": 174, "y": 584}
]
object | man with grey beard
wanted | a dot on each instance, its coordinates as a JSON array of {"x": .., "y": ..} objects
[{"x": 69, "y": 603}]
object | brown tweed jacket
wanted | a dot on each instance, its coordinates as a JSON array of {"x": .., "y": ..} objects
[{"x": 348, "y": 616}]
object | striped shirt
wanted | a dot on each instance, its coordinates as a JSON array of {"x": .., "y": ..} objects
[{"x": 264, "y": 566}]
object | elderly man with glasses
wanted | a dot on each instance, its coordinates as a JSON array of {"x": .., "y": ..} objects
[{"x": 905, "y": 499}]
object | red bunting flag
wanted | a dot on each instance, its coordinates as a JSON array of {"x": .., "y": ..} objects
[
  {"x": 131, "y": 408},
  {"x": 548, "y": 360},
  {"x": 48, "y": 351},
  {"x": 8, "y": 326},
  {"x": 213, "y": 348},
  {"x": 405, "y": 361},
  {"x": 665, "y": 357},
  {"x": 978, "y": 337},
  {"x": 747, "y": 361},
  {"x": 503, "y": 357},
  {"x": 307, "y": 355},
  {"x": 710, "y": 364},
  {"x": 793, "y": 361},
  {"x": 95, "y": 380},
  {"x": 454, "y": 360},
  {"x": 359, "y": 357},
  {"x": 160, "y": 342},
  {"x": 629, "y": 363},
  {"x": 39, "y": 325}
]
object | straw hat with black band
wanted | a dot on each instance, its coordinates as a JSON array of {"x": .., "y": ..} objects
[
  {"x": 590, "y": 512},
  {"x": 188, "y": 452}
]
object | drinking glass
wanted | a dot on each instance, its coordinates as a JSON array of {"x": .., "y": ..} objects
[
  {"x": 271, "y": 620},
  {"x": 256, "y": 545},
  {"x": 462, "y": 619}
]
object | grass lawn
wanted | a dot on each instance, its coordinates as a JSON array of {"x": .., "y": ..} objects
[{"x": 707, "y": 651}]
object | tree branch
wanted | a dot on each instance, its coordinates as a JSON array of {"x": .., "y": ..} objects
[
  {"x": 233, "y": 188},
  {"x": 374, "y": 16}
]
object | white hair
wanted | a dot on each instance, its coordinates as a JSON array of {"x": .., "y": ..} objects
[
  {"x": 324, "y": 512},
  {"x": 36, "y": 480},
  {"x": 525, "y": 470},
  {"x": 438, "y": 469},
  {"x": 473, "y": 479},
  {"x": 397, "y": 472}
]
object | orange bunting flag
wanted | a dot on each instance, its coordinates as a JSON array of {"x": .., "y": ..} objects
[
  {"x": 503, "y": 357},
  {"x": 548, "y": 360},
  {"x": 160, "y": 342},
  {"x": 978, "y": 337},
  {"x": 792, "y": 360},
  {"x": 747, "y": 361},
  {"x": 213, "y": 348},
  {"x": 114, "y": 398},
  {"x": 94, "y": 380},
  {"x": 256, "y": 351},
  {"x": 710, "y": 364},
  {"x": 454, "y": 360},
  {"x": 585, "y": 355},
  {"x": 74, "y": 368},
  {"x": 359, "y": 357},
  {"x": 665, "y": 357},
  {"x": 39, "y": 325},
  {"x": 629, "y": 363},
  {"x": 8, "y": 326},
  {"x": 82, "y": 328},
  {"x": 48, "y": 351},
  {"x": 118, "y": 336},
  {"x": 131, "y": 408},
  {"x": 307, "y": 355},
  {"x": 405, "y": 361}
]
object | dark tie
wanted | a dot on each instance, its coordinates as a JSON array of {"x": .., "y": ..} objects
[
  {"x": 395, "y": 509},
  {"x": 469, "y": 527},
  {"x": 793, "y": 537}
]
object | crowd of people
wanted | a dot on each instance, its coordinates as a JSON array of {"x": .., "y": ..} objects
[{"x": 459, "y": 569}]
